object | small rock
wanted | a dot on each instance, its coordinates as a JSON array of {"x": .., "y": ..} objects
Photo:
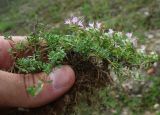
[
  {"x": 150, "y": 36},
  {"x": 125, "y": 111},
  {"x": 156, "y": 106},
  {"x": 148, "y": 113},
  {"x": 139, "y": 95},
  {"x": 155, "y": 64},
  {"x": 146, "y": 13},
  {"x": 151, "y": 71}
]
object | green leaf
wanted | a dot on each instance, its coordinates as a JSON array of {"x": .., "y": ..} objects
[{"x": 35, "y": 90}]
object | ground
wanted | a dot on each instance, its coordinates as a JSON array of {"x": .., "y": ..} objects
[{"x": 141, "y": 17}]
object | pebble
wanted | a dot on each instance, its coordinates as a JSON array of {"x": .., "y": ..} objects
[
  {"x": 156, "y": 106},
  {"x": 150, "y": 36},
  {"x": 151, "y": 71}
]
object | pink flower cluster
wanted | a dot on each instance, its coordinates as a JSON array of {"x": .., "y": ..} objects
[
  {"x": 74, "y": 20},
  {"x": 97, "y": 25},
  {"x": 132, "y": 39},
  {"x": 79, "y": 22}
]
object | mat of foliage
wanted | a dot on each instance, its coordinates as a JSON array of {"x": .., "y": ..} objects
[{"x": 90, "y": 50}]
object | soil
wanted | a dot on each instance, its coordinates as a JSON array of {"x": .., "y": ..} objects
[{"x": 91, "y": 75}]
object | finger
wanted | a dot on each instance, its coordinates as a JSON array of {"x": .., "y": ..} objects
[
  {"x": 13, "y": 87},
  {"x": 5, "y": 45},
  {"x": 16, "y": 39},
  {"x": 5, "y": 58}
]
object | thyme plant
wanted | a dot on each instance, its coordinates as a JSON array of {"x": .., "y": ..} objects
[{"x": 46, "y": 50}]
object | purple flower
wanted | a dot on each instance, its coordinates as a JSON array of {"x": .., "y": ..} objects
[
  {"x": 67, "y": 21},
  {"x": 80, "y": 23},
  {"x": 74, "y": 20},
  {"x": 142, "y": 49},
  {"x": 91, "y": 24},
  {"x": 129, "y": 35},
  {"x": 98, "y": 25},
  {"x": 110, "y": 32},
  {"x": 134, "y": 42}
]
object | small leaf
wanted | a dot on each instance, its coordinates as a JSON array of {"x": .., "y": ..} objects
[
  {"x": 31, "y": 90},
  {"x": 39, "y": 88},
  {"x": 35, "y": 90}
]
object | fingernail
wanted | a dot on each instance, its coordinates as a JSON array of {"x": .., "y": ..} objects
[{"x": 60, "y": 78}]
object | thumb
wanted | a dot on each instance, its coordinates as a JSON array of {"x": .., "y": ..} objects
[{"x": 13, "y": 87}]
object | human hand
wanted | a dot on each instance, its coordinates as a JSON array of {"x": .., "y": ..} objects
[{"x": 13, "y": 86}]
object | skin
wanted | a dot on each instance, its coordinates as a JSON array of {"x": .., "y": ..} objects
[{"x": 13, "y": 86}]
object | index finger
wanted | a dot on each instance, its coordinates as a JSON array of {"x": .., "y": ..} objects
[{"x": 5, "y": 45}]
